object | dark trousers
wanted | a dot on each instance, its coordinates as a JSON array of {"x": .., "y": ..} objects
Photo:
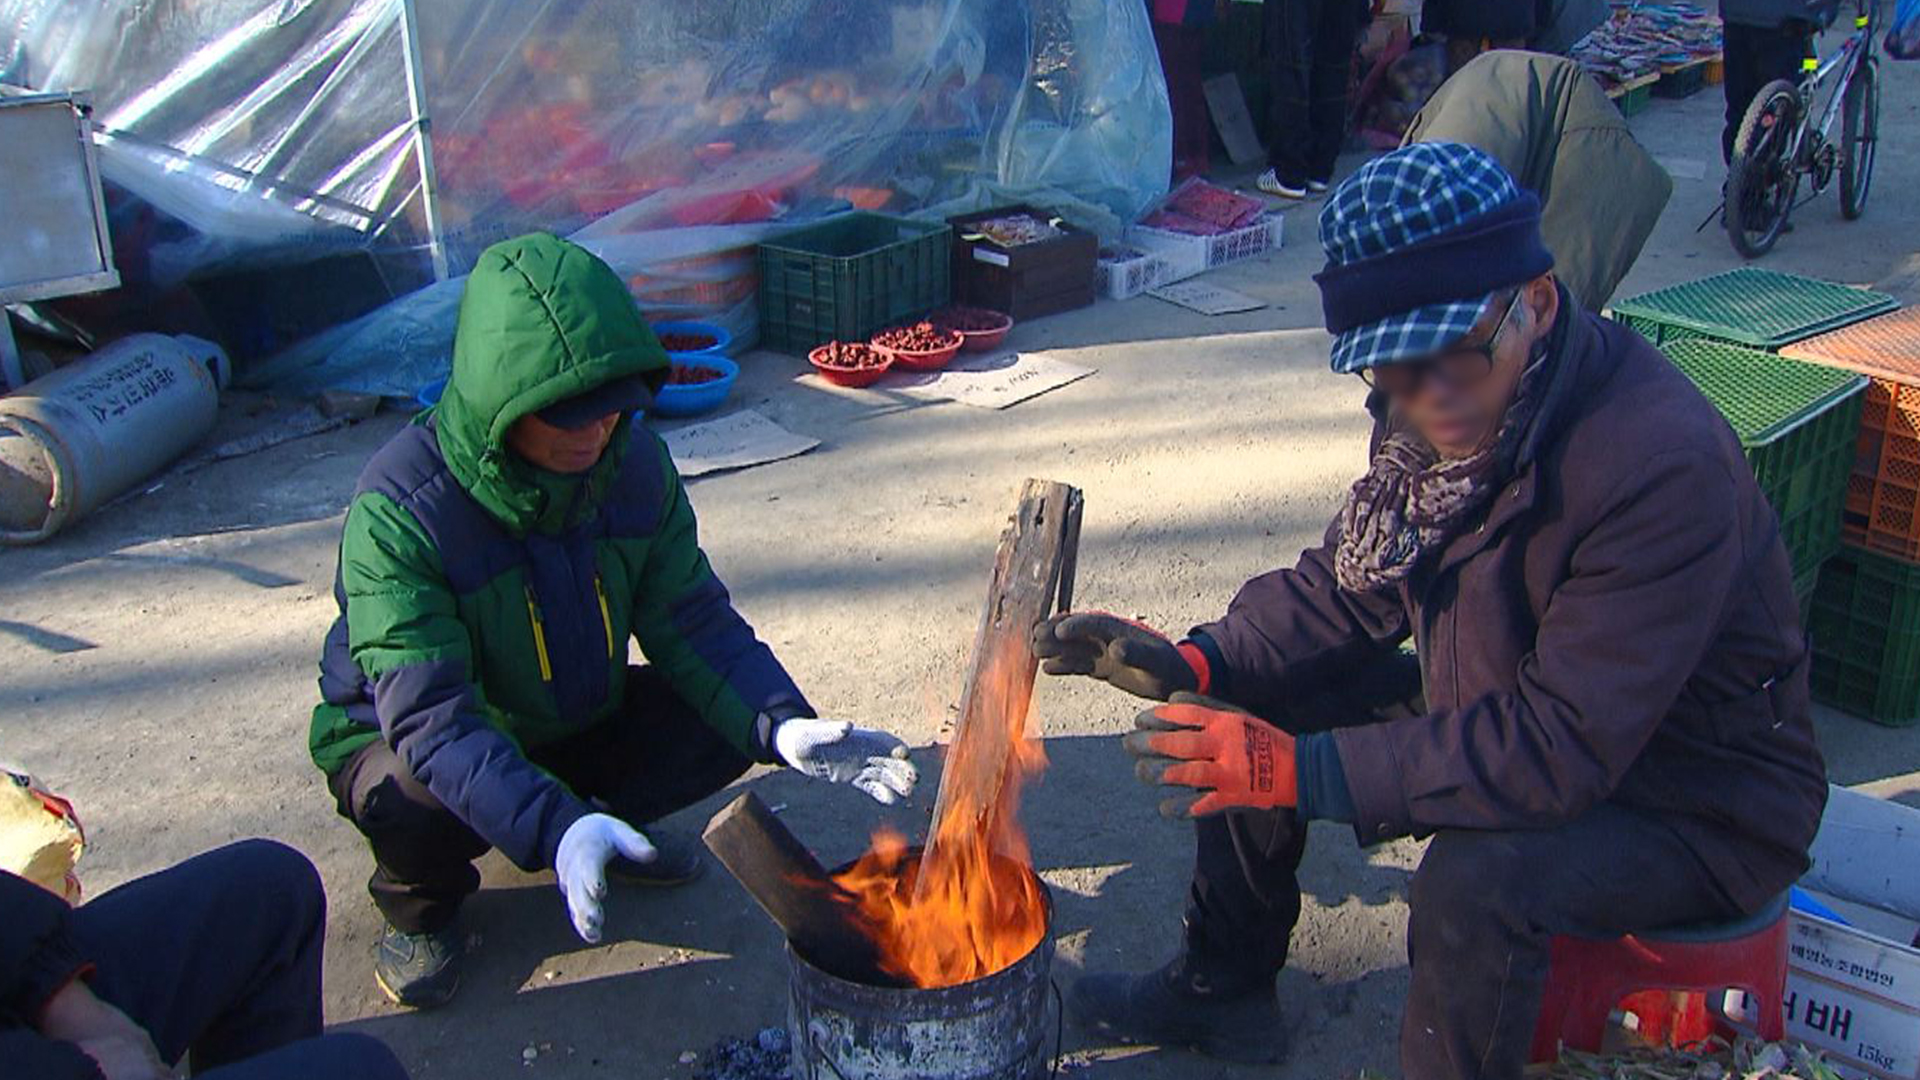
[
  {"x": 1754, "y": 58},
  {"x": 220, "y": 957},
  {"x": 1483, "y": 908},
  {"x": 1180, "y": 49},
  {"x": 1309, "y": 50},
  {"x": 651, "y": 758}
]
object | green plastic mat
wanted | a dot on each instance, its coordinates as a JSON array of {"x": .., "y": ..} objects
[
  {"x": 1763, "y": 395},
  {"x": 1750, "y": 306}
]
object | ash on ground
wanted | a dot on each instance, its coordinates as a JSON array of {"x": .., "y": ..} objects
[{"x": 766, "y": 1056}]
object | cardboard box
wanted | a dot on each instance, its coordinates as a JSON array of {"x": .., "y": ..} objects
[{"x": 1854, "y": 990}]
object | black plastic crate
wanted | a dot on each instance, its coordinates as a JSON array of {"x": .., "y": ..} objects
[
  {"x": 848, "y": 277},
  {"x": 1028, "y": 280}
]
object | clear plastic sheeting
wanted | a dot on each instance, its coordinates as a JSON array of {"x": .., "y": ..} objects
[{"x": 292, "y": 126}]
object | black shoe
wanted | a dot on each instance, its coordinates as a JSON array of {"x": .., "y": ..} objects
[
  {"x": 420, "y": 971},
  {"x": 678, "y": 862},
  {"x": 1176, "y": 1006}
]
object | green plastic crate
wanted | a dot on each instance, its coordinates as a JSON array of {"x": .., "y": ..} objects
[
  {"x": 1798, "y": 424},
  {"x": 1633, "y": 102},
  {"x": 1749, "y": 306},
  {"x": 848, "y": 277},
  {"x": 1865, "y": 628}
]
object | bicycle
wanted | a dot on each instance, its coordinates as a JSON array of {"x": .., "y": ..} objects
[{"x": 1778, "y": 141}]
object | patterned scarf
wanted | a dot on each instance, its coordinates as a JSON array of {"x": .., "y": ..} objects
[{"x": 1412, "y": 502}]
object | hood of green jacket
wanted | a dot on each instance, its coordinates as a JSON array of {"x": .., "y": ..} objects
[{"x": 542, "y": 320}]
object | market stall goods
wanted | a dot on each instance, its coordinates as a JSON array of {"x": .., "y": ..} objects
[
  {"x": 980, "y": 328},
  {"x": 923, "y": 346},
  {"x": 850, "y": 363},
  {"x": 693, "y": 374},
  {"x": 687, "y": 343}
]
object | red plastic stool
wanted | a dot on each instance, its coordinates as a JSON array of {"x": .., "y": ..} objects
[{"x": 1587, "y": 979}]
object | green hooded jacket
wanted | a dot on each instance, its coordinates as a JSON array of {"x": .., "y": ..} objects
[{"x": 486, "y": 605}]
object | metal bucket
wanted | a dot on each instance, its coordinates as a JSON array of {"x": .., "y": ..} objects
[{"x": 996, "y": 1028}]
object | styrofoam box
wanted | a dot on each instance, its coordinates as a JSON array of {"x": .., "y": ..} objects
[
  {"x": 1187, "y": 254},
  {"x": 1122, "y": 279},
  {"x": 1854, "y": 991}
]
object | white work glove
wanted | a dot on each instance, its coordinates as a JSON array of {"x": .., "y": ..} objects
[
  {"x": 580, "y": 865},
  {"x": 834, "y": 750}
]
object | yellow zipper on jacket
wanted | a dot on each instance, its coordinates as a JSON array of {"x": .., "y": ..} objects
[
  {"x": 606, "y": 617},
  {"x": 539, "y": 637}
]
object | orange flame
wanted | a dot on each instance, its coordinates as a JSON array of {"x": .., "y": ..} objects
[{"x": 981, "y": 909}]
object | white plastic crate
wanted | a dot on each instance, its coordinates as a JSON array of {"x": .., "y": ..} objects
[
  {"x": 1188, "y": 254},
  {"x": 1123, "y": 273}
]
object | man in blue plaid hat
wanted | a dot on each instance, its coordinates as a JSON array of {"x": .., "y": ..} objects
[{"x": 1603, "y": 725}]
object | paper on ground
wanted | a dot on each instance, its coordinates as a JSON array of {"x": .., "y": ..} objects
[
  {"x": 734, "y": 441},
  {"x": 995, "y": 380},
  {"x": 983, "y": 380},
  {"x": 1204, "y": 298}
]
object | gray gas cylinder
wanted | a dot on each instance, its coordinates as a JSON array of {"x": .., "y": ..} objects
[{"x": 74, "y": 439}]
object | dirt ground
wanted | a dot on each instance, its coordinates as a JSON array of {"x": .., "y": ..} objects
[{"x": 159, "y": 658}]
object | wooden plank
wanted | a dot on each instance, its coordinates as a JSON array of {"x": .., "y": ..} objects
[
  {"x": 1032, "y": 568},
  {"x": 789, "y": 884}
]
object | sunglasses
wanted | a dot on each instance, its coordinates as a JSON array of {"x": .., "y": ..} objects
[{"x": 1458, "y": 367}]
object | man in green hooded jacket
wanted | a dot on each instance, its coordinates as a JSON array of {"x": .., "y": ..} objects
[{"x": 497, "y": 556}]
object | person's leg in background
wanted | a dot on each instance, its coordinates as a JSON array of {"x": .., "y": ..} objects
[
  {"x": 217, "y": 958},
  {"x": 423, "y": 869},
  {"x": 1335, "y": 35},
  {"x": 1287, "y": 37},
  {"x": 1754, "y": 57},
  {"x": 1485, "y": 906},
  {"x": 1181, "y": 48}
]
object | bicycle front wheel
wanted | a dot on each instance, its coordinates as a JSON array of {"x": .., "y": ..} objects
[
  {"x": 1761, "y": 180},
  {"x": 1859, "y": 135}
]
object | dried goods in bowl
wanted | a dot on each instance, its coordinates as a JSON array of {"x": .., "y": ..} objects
[
  {"x": 846, "y": 363},
  {"x": 922, "y": 346}
]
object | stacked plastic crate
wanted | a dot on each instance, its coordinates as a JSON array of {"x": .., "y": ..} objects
[
  {"x": 1865, "y": 621},
  {"x": 1800, "y": 423}
]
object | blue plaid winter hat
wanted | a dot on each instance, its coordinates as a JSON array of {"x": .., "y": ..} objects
[{"x": 1418, "y": 241}]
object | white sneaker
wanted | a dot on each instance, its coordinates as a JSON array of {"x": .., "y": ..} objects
[
  {"x": 1319, "y": 186},
  {"x": 1271, "y": 183}
]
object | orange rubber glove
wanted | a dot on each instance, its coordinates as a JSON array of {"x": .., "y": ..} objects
[{"x": 1228, "y": 756}]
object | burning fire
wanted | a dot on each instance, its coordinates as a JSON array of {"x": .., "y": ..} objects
[{"x": 979, "y": 908}]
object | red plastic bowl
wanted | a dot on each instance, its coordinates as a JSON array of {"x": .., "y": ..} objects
[
  {"x": 983, "y": 340},
  {"x": 855, "y": 377},
  {"x": 928, "y": 360}
]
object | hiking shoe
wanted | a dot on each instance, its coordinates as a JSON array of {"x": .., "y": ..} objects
[
  {"x": 678, "y": 862},
  {"x": 420, "y": 971},
  {"x": 1271, "y": 183},
  {"x": 1178, "y": 1007},
  {"x": 1318, "y": 187}
]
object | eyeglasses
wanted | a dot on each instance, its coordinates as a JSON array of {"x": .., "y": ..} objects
[{"x": 1459, "y": 367}]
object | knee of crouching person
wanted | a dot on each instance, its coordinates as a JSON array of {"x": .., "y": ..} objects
[{"x": 271, "y": 868}]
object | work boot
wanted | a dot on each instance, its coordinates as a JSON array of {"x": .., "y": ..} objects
[
  {"x": 1181, "y": 1006},
  {"x": 420, "y": 971},
  {"x": 678, "y": 861}
]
